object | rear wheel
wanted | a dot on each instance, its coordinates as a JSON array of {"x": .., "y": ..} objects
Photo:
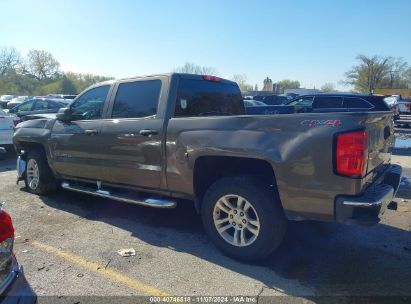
[
  {"x": 243, "y": 217},
  {"x": 39, "y": 178}
]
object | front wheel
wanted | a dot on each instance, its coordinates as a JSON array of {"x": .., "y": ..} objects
[
  {"x": 39, "y": 179},
  {"x": 243, "y": 217}
]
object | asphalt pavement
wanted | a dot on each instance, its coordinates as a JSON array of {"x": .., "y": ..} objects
[{"x": 68, "y": 244}]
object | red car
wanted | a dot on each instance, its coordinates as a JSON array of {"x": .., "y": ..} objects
[{"x": 13, "y": 285}]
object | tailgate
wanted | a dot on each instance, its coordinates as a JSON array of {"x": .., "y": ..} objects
[{"x": 381, "y": 139}]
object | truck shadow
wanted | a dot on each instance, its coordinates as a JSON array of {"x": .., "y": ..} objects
[
  {"x": 314, "y": 259},
  {"x": 8, "y": 160}
]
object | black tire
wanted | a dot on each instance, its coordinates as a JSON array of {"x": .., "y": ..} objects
[
  {"x": 3, "y": 152},
  {"x": 266, "y": 203},
  {"x": 46, "y": 181}
]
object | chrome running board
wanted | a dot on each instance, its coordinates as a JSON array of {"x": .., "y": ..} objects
[{"x": 150, "y": 202}]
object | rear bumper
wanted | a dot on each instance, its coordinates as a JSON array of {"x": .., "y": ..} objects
[
  {"x": 366, "y": 209},
  {"x": 15, "y": 289}
]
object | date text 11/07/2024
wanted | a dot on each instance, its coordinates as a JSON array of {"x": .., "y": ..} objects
[{"x": 203, "y": 299}]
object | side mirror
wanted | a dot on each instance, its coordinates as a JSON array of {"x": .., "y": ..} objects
[{"x": 64, "y": 114}]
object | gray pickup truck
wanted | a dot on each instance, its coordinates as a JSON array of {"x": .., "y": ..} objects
[{"x": 176, "y": 138}]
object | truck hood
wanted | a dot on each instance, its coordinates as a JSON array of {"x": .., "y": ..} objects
[
  {"x": 39, "y": 116},
  {"x": 37, "y": 123}
]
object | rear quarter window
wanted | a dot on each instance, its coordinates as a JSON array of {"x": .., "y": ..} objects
[{"x": 208, "y": 98}]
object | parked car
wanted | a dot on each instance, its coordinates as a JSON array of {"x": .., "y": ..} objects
[
  {"x": 39, "y": 106},
  {"x": 171, "y": 139},
  {"x": 4, "y": 100},
  {"x": 339, "y": 103},
  {"x": 253, "y": 103},
  {"x": 14, "y": 287},
  {"x": 404, "y": 105},
  {"x": 272, "y": 99},
  {"x": 61, "y": 96},
  {"x": 259, "y": 97},
  {"x": 275, "y": 100},
  {"x": 325, "y": 103},
  {"x": 17, "y": 100},
  {"x": 7, "y": 124},
  {"x": 392, "y": 102}
]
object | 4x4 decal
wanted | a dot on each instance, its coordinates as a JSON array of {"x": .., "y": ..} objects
[{"x": 316, "y": 123}]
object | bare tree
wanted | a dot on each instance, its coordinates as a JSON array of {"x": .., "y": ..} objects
[
  {"x": 370, "y": 73},
  {"x": 328, "y": 87},
  {"x": 397, "y": 73},
  {"x": 192, "y": 68},
  {"x": 407, "y": 76},
  {"x": 10, "y": 59},
  {"x": 241, "y": 80},
  {"x": 42, "y": 65}
]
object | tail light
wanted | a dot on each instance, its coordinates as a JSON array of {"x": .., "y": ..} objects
[
  {"x": 6, "y": 229},
  {"x": 408, "y": 106},
  {"x": 16, "y": 121},
  {"x": 352, "y": 153},
  {"x": 211, "y": 78}
]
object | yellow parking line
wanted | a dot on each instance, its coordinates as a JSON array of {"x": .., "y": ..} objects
[{"x": 101, "y": 270}]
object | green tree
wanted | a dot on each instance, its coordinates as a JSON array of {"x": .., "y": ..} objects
[
  {"x": 377, "y": 72},
  {"x": 83, "y": 81},
  {"x": 42, "y": 65},
  {"x": 397, "y": 75},
  {"x": 39, "y": 75},
  {"x": 67, "y": 86},
  {"x": 288, "y": 84}
]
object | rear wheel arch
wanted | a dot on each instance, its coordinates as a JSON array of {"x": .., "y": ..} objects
[{"x": 209, "y": 169}]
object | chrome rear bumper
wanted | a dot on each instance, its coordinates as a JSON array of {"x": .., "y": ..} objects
[{"x": 367, "y": 208}]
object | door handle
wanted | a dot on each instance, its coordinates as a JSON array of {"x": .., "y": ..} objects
[
  {"x": 148, "y": 133},
  {"x": 91, "y": 132}
]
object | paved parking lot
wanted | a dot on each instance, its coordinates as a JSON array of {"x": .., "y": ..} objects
[{"x": 68, "y": 245}]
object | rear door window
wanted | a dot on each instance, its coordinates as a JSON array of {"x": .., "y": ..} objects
[
  {"x": 41, "y": 105},
  {"x": 26, "y": 106},
  {"x": 137, "y": 99},
  {"x": 327, "y": 102},
  {"x": 208, "y": 98}
]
